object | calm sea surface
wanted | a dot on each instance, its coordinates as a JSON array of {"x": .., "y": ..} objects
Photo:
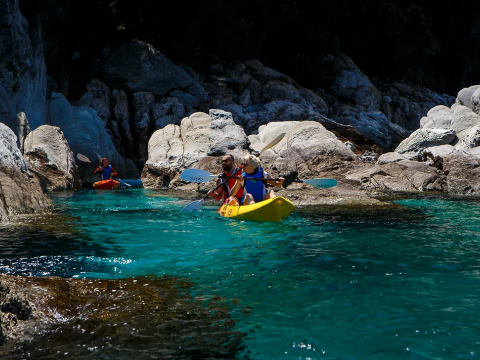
[{"x": 400, "y": 285}]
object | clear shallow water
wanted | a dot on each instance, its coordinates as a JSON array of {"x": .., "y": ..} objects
[{"x": 401, "y": 285}]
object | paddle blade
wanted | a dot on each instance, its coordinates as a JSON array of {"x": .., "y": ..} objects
[
  {"x": 83, "y": 158},
  {"x": 321, "y": 183},
  {"x": 194, "y": 206},
  {"x": 273, "y": 142},
  {"x": 197, "y": 176}
]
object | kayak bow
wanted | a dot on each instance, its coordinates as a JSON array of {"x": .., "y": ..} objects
[
  {"x": 272, "y": 210},
  {"x": 106, "y": 185}
]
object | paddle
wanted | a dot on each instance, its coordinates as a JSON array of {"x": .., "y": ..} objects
[
  {"x": 196, "y": 205},
  {"x": 83, "y": 158},
  {"x": 273, "y": 143},
  {"x": 201, "y": 176}
]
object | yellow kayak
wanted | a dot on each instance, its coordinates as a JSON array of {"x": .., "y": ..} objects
[{"x": 273, "y": 210}]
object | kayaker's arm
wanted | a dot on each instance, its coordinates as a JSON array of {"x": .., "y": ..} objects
[
  {"x": 277, "y": 182},
  {"x": 114, "y": 172},
  {"x": 237, "y": 185},
  {"x": 99, "y": 169},
  {"x": 217, "y": 194}
]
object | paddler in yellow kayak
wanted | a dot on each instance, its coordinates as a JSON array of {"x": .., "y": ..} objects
[
  {"x": 254, "y": 189},
  {"x": 224, "y": 192}
]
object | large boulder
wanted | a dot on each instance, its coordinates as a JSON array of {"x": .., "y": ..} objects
[
  {"x": 463, "y": 167},
  {"x": 305, "y": 146},
  {"x": 139, "y": 67},
  {"x": 464, "y": 96},
  {"x": 86, "y": 135},
  {"x": 403, "y": 176},
  {"x": 23, "y": 73},
  {"x": 225, "y": 136},
  {"x": 423, "y": 138},
  {"x": 176, "y": 148},
  {"x": 20, "y": 190},
  {"x": 51, "y": 159}
]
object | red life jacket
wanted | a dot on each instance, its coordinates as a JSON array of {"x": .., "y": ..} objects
[{"x": 228, "y": 186}]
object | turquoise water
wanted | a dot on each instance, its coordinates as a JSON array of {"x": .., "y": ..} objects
[{"x": 399, "y": 285}]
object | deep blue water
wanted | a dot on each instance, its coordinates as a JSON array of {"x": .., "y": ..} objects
[{"x": 395, "y": 285}]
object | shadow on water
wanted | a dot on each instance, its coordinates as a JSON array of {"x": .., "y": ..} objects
[
  {"x": 135, "y": 318},
  {"x": 48, "y": 245}
]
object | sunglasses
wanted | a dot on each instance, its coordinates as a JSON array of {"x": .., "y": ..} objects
[{"x": 227, "y": 160}]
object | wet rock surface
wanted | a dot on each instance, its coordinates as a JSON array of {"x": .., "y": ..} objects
[{"x": 130, "y": 318}]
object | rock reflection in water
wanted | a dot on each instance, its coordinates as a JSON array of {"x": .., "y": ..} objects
[{"x": 135, "y": 318}]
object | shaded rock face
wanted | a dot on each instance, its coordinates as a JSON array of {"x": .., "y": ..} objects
[
  {"x": 51, "y": 159},
  {"x": 86, "y": 135},
  {"x": 142, "y": 317},
  {"x": 23, "y": 74},
  {"x": 138, "y": 66},
  {"x": 386, "y": 113},
  {"x": 405, "y": 104},
  {"x": 20, "y": 191}
]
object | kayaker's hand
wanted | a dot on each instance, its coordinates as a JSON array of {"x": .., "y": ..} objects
[{"x": 213, "y": 194}]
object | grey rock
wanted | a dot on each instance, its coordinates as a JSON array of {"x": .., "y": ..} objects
[
  {"x": 23, "y": 73},
  {"x": 469, "y": 138},
  {"x": 375, "y": 125},
  {"x": 304, "y": 142},
  {"x": 464, "y": 96},
  {"x": 350, "y": 83},
  {"x": 21, "y": 191},
  {"x": 139, "y": 67},
  {"x": 121, "y": 115},
  {"x": 225, "y": 136},
  {"x": 423, "y": 138},
  {"x": 51, "y": 159},
  {"x": 278, "y": 90},
  {"x": 23, "y": 129},
  {"x": 86, "y": 135},
  {"x": 476, "y": 102},
  {"x": 439, "y": 117},
  {"x": 245, "y": 100},
  {"x": 405, "y": 104},
  {"x": 99, "y": 98},
  {"x": 463, "y": 118},
  {"x": 390, "y": 157},
  {"x": 184, "y": 98}
]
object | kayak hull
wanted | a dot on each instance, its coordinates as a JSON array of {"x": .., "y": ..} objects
[
  {"x": 106, "y": 185},
  {"x": 271, "y": 210}
]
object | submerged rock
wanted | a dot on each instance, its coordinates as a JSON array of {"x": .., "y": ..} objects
[{"x": 136, "y": 318}]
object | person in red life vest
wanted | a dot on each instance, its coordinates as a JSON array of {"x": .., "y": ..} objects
[
  {"x": 105, "y": 169},
  {"x": 225, "y": 192}
]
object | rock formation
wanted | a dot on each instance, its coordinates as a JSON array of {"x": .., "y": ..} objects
[
  {"x": 20, "y": 191},
  {"x": 51, "y": 159}
]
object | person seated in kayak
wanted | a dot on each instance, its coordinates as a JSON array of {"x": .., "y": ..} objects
[
  {"x": 106, "y": 169},
  {"x": 225, "y": 191},
  {"x": 252, "y": 181}
]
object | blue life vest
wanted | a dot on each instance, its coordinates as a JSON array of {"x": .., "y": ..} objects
[
  {"x": 106, "y": 172},
  {"x": 255, "y": 187}
]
